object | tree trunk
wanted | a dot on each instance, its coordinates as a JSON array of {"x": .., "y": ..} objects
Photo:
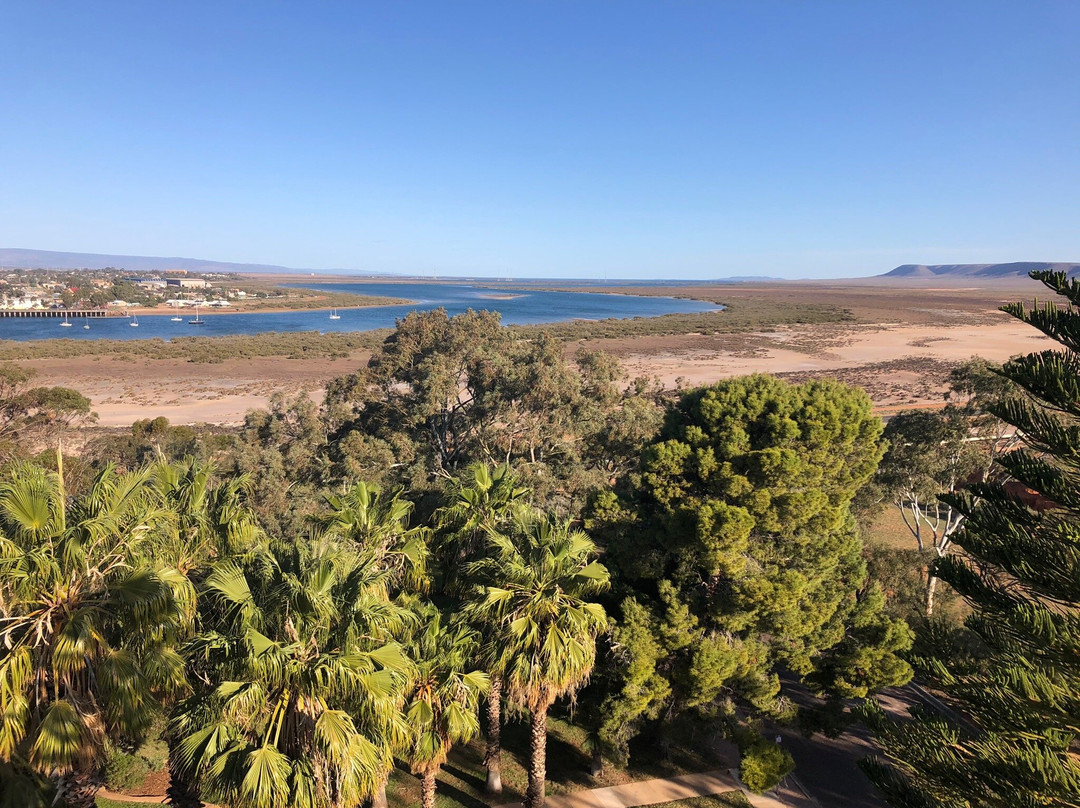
[
  {"x": 596, "y": 765},
  {"x": 494, "y": 737},
  {"x": 534, "y": 795},
  {"x": 182, "y": 791},
  {"x": 80, "y": 789},
  {"x": 378, "y": 800},
  {"x": 931, "y": 589},
  {"x": 427, "y": 789}
]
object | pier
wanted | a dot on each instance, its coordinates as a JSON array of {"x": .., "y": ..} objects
[{"x": 57, "y": 313}]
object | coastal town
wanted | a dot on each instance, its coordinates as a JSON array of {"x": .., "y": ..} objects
[{"x": 116, "y": 290}]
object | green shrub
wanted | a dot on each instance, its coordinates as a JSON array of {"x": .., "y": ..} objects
[
  {"x": 124, "y": 771},
  {"x": 764, "y": 765}
]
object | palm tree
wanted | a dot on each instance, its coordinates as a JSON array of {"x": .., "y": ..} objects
[
  {"x": 377, "y": 522},
  {"x": 485, "y": 501},
  {"x": 88, "y": 629},
  {"x": 309, "y": 683},
  {"x": 214, "y": 518},
  {"x": 537, "y": 603},
  {"x": 213, "y": 522},
  {"x": 482, "y": 500},
  {"x": 442, "y": 708}
]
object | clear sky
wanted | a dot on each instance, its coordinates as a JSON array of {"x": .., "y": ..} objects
[{"x": 675, "y": 139}]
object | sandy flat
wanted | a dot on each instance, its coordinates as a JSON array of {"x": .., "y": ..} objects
[
  {"x": 124, "y": 391},
  {"x": 820, "y": 348}
]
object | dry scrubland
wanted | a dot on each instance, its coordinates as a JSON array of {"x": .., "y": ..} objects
[{"x": 897, "y": 340}]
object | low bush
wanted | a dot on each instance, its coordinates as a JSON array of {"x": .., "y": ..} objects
[
  {"x": 764, "y": 765},
  {"x": 125, "y": 771}
]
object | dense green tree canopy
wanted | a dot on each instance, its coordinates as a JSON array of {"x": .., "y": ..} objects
[
  {"x": 736, "y": 555},
  {"x": 446, "y": 392}
]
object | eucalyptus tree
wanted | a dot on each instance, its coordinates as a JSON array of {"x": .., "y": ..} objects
[
  {"x": 88, "y": 626},
  {"x": 32, "y": 415},
  {"x": 441, "y": 709},
  {"x": 537, "y": 598},
  {"x": 932, "y": 454},
  {"x": 307, "y": 681}
]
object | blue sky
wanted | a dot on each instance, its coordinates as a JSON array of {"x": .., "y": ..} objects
[{"x": 679, "y": 139}]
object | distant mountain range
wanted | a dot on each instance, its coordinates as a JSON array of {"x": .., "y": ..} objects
[
  {"x": 47, "y": 259},
  {"x": 1017, "y": 269}
]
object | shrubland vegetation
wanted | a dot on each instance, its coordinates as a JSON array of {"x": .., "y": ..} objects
[
  {"x": 290, "y": 345},
  {"x": 472, "y": 530},
  {"x": 743, "y": 316}
]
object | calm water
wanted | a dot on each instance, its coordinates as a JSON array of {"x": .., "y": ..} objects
[{"x": 531, "y": 307}]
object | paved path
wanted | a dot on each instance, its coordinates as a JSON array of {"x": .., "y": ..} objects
[
  {"x": 670, "y": 789},
  {"x": 154, "y": 800}
]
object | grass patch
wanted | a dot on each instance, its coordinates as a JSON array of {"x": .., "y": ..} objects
[
  {"x": 888, "y": 529},
  {"x": 732, "y": 799},
  {"x": 293, "y": 345},
  {"x": 294, "y": 299},
  {"x": 103, "y": 802}
]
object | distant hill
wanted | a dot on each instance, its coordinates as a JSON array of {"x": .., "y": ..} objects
[
  {"x": 1017, "y": 269},
  {"x": 47, "y": 259}
]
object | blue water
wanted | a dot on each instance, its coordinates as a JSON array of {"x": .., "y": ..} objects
[{"x": 531, "y": 307}]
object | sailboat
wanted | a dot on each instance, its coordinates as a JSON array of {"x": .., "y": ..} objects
[
  {"x": 198, "y": 320},
  {"x": 134, "y": 321},
  {"x": 86, "y": 326},
  {"x": 176, "y": 318},
  {"x": 334, "y": 315},
  {"x": 66, "y": 323}
]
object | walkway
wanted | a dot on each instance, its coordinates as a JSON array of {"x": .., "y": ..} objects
[
  {"x": 630, "y": 795},
  {"x": 670, "y": 789},
  {"x": 144, "y": 800}
]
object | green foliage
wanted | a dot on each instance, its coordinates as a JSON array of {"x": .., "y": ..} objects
[
  {"x": 537, "y": 590},
  {"x": 305, "y": 682},
  {"x": 446, "y": 392},
  {"x": 124, "y": 771},
  {"x": 206, "y": 350},
  {"x": 149, "y": 440},
  {"x": 282, "y": 451},
  {"x": 745, "y": 314},
  {"x": 441, "y": 709},
  {"x": 764, "y": 765},
  {"x": 33, "y": 415},
  {"x": 1017, "y": 688},
  {"x": 736, "y": 553},
  {"x": 91, "y": 623},
  {"x": 534, "y": 599}
]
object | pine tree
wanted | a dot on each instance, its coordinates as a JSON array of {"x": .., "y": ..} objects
[{"x": 1019, "y": 694}]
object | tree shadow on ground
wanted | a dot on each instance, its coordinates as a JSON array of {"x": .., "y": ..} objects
[{"x": 470, "y": 778}]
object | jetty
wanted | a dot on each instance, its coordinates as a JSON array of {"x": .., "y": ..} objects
[{"x": 57, "y": 313}]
